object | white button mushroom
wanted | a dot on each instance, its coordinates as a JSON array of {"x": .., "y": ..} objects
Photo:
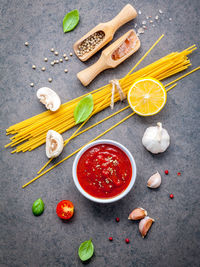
[
  {"x": 156, "y": 139},
  {"x": 54, "y": 144},
  {"x": 49, "y": 98}
]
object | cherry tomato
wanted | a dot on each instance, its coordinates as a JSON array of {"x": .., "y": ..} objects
[{"x": 65, "y": 209}]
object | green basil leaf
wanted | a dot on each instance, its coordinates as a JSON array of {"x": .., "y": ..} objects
[
  {"x": 70, "y": 20},
  {"x": 86, "y": 250},
  {"x": 38, "y": 207},
  {"x": 83, "y": 109}
]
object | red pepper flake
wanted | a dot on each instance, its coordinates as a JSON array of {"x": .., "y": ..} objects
[
  {"x": 171, "y": 196},
  {"x": 110, "y": 238},
  {"x": 117, "y": 219},
  {"x": 166, "y": 172},
  {"x": 127, "y": 240},
  {"x": 178, "y": 173}
]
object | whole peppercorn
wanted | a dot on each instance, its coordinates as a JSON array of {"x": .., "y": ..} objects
[{"x": 127, "y": 240}]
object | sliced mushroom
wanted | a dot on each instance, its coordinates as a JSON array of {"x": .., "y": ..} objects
[
  {"x": 54, "y": 144},
  {"x": 49, "y": 98}
]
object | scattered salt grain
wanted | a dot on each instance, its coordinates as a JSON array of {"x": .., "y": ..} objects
[
  {"x": 151, "y": 21},
  {"x": 140, "y": 30},
  {"x": 135, "y": 25},
  {"x": 144, "y": 22},
  {"x": 160, "y": 11},
  {"x": 156, "y": 17},
  {"x": 170, "y": 19},
  {"x": 139, "y": 12}
]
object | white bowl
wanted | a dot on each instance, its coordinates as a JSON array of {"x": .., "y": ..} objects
[{"x": 111, "y": 199}]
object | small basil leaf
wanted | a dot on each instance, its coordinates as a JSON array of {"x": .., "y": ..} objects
[
  {"x": 86, "y": 250},
  {"x": 70, "y": 20},
  {"x": 38, "y": 207},
  {"x": 83, "y": 109}
]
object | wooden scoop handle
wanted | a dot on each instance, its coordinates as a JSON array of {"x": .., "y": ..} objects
[
  {"x": 87, "y": 75},
  {"x": 126, "y": 14}
]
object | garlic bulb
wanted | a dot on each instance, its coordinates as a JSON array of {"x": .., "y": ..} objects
[
  {"x": 154, "y": 181},
  {"x": 49, "y": 98},
  {"x": 54, "y": 144},
  {"x": 137, "y": 214},
  {"x": 156, "y": 139}
]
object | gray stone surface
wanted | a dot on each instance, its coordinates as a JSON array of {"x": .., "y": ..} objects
[{"x": 47, "y": 241}]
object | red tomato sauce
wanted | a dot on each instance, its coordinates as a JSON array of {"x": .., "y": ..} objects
[{"x": 104, "y": 171}]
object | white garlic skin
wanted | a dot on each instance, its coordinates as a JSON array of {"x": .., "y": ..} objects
[
  {"x": 144, "y": 225},
  {"x": 154, "y": 181},
  {"x": 156, "y": 139},
  {"x": 137, "y": 214},
  {"x": 49, "y": 98},
  {"x": 54, "y": 144}
]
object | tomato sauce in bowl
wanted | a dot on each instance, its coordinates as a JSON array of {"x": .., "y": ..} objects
[{"x": 104, "y": 171}]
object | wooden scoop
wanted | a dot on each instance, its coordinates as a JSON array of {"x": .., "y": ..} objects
[
  {"x": 112, "y": 56},
  {"x": 107, "y": 31}
]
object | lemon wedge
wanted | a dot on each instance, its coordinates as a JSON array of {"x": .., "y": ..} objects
[{"x": 147, "y": 96}]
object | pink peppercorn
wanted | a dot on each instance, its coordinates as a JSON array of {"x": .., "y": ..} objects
[
  {"x": 166, "y": 172},
  {"x": 110, "y": 238},
  {"x": 127, "y": 240},
  {"x": 117, "y": 219},
  {"x": 171, "y": 196}
]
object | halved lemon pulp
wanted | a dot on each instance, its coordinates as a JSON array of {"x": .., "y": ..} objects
[{"x": 147, "y": 96}]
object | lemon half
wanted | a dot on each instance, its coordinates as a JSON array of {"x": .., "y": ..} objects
[{"x": 147, "y": 96}]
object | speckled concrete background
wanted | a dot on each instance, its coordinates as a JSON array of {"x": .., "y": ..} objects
[{"x": 46, "y": 241}]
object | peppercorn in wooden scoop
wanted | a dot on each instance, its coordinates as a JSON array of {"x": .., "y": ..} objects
[
  {"x": 112, "y": 56},
  {"x": 103, "y": 33}
]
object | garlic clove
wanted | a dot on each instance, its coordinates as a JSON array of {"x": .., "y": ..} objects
[
  {"x": 154, "y": 181},
  {"x": 54, "y": 144},
  {"x": 156, "y": 139},
  {"x": 49, "y": 98},
  {"x": 137, "y": 214},
  {"x": 144, "y": 225}
]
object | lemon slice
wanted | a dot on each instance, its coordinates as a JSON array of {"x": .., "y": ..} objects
[{"x": 147, "y": 96}]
